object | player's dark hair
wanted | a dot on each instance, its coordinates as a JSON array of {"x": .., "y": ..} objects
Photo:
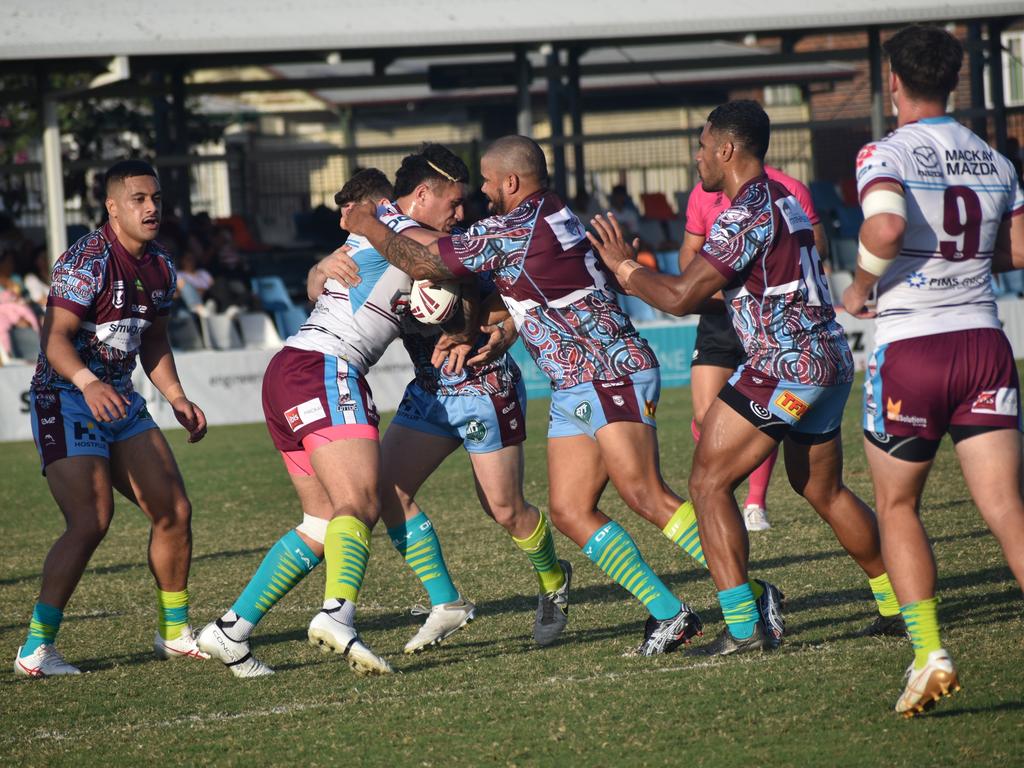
[
  {"x": 746, "y": 122},
  {"x": 926, "y": 59},
  {"x": 126, "y": 169},
  {"x": 368, "y": 184},
  {"x": 432, "y": 164}
]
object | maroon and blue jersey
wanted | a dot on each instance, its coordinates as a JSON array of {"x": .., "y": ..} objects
[
  {"x": 559, "y": 298},
  {"x": 777, "y": 295},
  {"x": 117, "y": 298}
]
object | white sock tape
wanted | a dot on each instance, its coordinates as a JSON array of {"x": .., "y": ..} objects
[{"x": 313, "y": 527}]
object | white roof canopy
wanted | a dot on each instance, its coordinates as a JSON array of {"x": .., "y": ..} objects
[{"x": 67, "y": 29}]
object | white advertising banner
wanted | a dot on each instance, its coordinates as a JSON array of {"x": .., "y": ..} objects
[{"x": 228, "y": 385}]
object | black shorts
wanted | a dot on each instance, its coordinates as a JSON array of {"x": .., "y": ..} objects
[{"x": 717, "y": 343}]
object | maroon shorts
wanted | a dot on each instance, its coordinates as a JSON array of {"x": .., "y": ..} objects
[
  {"x": 310, "y": 398},
  {"x": 963, "y": 382}
]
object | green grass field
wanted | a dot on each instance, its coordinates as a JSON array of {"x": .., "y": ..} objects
[{"x": 487, "y": 697}]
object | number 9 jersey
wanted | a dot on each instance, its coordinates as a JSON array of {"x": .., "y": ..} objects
[{"x": 958, "y": 191}]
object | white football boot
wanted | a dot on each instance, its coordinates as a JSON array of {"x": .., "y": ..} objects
[
  {"x": 182, "y": 647},
  {"x": 926, "y": 686},
  {"x": 333, "y": 636},
  {"x": 44, "y": 661},
  {"x": 235, "y": 654},
  {"x": 755, "y": 518},
  {"x": 442, "y": 620}
]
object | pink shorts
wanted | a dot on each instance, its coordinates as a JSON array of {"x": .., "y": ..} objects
[{"x": 310, "y": 399}]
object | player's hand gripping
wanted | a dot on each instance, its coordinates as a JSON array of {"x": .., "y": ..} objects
[
  {"x": 356, "y": 216},
  {"x": 105, "y": 402},
  {"x": 607, "y": 239},
  {"x": 340, "y": 266},
  {"x": 499, "y": 341},
  {"x": 191, "y": 417},
  {"x": 450, "y": 354}
]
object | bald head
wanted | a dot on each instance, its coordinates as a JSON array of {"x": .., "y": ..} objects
[
  {"x": 521, "y": 156},
  {"x": 513, "y": 168}
]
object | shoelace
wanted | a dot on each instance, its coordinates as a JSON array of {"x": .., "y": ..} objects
[{"x": 419, "y": 610}]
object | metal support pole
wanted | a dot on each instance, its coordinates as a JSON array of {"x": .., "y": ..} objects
[
  {"x": 995, "y": 81},
  {"x": 576, "y": 113},
  {"x": 976, "y": 62},
  {"x": 875, "y": 63},
  {"x": 555, "y": 119},
  {"x": 53, "y": 181},
  {"x": 524, "y": 114}
]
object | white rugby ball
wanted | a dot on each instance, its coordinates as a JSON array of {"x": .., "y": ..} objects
[{"x": 433, "y": 303}]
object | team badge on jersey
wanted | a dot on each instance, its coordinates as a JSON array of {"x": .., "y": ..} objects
[{"x": 117, "y": 295}]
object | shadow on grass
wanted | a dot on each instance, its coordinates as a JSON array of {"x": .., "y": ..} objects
[
  {"x": 101, "y": 570},
  {"x": 1014, "y": 705}
]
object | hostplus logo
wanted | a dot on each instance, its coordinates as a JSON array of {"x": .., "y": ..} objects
[
  {"x": 476, "y": 431},
  {"x": 85, "y": 437}
]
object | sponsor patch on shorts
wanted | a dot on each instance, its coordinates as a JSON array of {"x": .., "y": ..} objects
[
  {"x": 1002, "y": 402},
  {"x": 305, "y": 413},
  {"x": 791, "y": 404}
]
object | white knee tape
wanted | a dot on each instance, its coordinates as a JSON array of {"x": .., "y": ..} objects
[{"x": 314, "y": 527}]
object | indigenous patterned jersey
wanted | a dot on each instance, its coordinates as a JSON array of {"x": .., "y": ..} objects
[
  {"x": 702, "y": 207},
  {"x": 116, "y": 296},
  {"x": 359, "y": 323},
  {"x": 958, "y": 191},
  {"x": 777, "y": 294},
  {"x": 560, "y": 300},
  {"x": 493, "y": 378}
]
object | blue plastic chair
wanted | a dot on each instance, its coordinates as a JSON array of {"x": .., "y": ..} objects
[
  {"x": 288, "y": 320},
  {"x": 668, "y": 262},
  {"x": 272, "y": 293}
]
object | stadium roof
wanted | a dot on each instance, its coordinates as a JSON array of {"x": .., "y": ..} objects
[{"x": 36, "y": 30}]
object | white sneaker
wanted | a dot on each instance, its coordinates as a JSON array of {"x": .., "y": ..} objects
[
  {"x": 182, "y": 647},
  {"x": 926, "y": 686},
  {"x": 442, "y": 620},
  {"x": 44, "y": 661},
  {"x": 756, "y": 518},
  {"x": 332, "y": 635},
  {"x": 235, "y": 654}
]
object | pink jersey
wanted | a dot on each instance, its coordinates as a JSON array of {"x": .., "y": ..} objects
[{"x": 703, "y": 206}]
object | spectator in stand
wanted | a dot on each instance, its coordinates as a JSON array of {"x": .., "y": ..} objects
[
  {"x": 190, "y": 271},
  {"x": 34, "y": 268},
  {"x": 625, "y": 211},
  {"x": 231, "y": 285},
  {"x": 586, "y": 205},
  {"x": 14, "y": 309}
]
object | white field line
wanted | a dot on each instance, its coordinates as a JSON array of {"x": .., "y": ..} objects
[{"x": 216, "y": 718}]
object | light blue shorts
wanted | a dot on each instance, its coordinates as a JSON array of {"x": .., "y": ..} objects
[{"x": 585, "y": 408}]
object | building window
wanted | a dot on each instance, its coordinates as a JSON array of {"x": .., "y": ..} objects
[
  {"x": 1013, "y": 67},
  {"x": 783, "y": 96}
]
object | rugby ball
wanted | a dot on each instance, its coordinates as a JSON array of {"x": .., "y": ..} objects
[{"x": 433, "y": 303}]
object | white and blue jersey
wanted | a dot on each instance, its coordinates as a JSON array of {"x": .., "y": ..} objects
[{"x": 357, "y": 324}]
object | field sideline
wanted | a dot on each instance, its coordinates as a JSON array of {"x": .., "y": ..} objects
[{"x": 488, "y": 697}]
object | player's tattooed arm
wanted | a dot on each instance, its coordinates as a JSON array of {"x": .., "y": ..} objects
[
  {"x": 414, "y": 252},
  {"x": 419, "y": 261}
]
